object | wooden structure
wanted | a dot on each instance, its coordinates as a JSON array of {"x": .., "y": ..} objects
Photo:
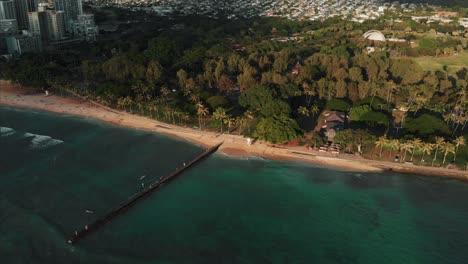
[{"x": 88, "y": 229}]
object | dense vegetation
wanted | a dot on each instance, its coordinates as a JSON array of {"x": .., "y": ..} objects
[{"x": 238, "y": 75}]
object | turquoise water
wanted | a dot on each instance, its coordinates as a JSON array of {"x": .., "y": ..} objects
[{"x": 222, "y": 211}]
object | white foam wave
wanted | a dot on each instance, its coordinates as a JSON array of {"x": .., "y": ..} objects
[
  {"x": 41, "y": 141},
  {"x": 6, "y": 131}
]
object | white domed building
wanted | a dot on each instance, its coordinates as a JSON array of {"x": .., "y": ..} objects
[{"x": 374, "y": 35}]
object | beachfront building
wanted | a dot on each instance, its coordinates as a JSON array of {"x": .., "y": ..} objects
[{"x": 333, "y": 122}]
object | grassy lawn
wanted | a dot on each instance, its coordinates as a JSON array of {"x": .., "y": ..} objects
[{"x": 454, "y": 63}]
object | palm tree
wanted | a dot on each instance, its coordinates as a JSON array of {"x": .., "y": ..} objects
[
  {"x": 449, "y": 117},
  {"x": 439, "y": 142},
  {"x": 140, "y": 107},
  {"x": 314, "y": 109},
  {"x": 459, "y": 141},
  {"x": 120, "y": 102},
  {"x": 241, "y": 121},
  {"x": 128, "y": 102},
  {"x": 405, "y": 146},
  {"x": 220, "y": 114},
  {"x": 303, "y": 110},
  {"x": 179, "y": 115},
  {"x": 426, "y": 148},
  {"x": 457, "y": 120},
  {"x": 165, "y": 112},
  {"x": 416, "y": 144},
  {"x": 308, "y": 91},
  {"x": 194, "y": 98},
  {"x": 465, "y": 120},
  {"x": 149, "y": 110},
  {"x": 393, "y": 144},
  {"x": 202, "y": 111},
  {"x": 249, "y": 115},
  {"x": 229, "y": 121},
  {"x": 381, "y": 142},
  {"x": 172, "y": 111},
  {"x": 448, "y": 148},
  {"x": 156, "y": 111},
  {"x": 165, "y": 94}
]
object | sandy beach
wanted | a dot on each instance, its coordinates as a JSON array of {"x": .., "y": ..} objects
[{"x": 234, "y": 145}]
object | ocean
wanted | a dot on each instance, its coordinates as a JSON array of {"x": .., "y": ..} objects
[{"x": 59, "y": 172}]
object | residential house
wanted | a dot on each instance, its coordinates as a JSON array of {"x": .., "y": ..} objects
[
  {"x": 296, "y": 69},
  {"x": 333, "y": 123}
]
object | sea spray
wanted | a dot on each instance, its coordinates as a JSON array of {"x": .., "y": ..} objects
[
  {"x": 42, "y": 141},
  {"x": 6, "y": 131}
]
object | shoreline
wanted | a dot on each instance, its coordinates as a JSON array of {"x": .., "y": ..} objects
[{"x": 234, "y": 145}]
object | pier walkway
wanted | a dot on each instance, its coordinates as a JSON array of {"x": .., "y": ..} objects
[{"x": 88, "y": 229}]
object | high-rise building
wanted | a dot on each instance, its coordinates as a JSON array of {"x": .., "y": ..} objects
[
  {"x": 55, "y": 24},
  {"x": 42, "y": 7},
  {"x": 8, "y": 23},
  {"x": 49, "y": 24},
  {"x": 23, "y": 7},
  {"x": 34, "y": 24},
  {"x": 85, "y": 28},
  {"x": 19, "y": 44},
  {"x": 8, "y": 26},
  {"x": 7, "y": 10},
  {"x": 71, "y": 9},
  {"x": 32, "y": 5}
]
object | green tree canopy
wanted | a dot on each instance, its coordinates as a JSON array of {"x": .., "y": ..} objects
[
  {"x": 426, "y": 125},
  {"x": 357, "y": 112},
  {"x": 375, "y": 118},
  {"x": 338, "y": 105},
  {"x": 406, "y": 71},
  {"x": 154, "y": 71},
  {"x": 277, "y": 129},
  {"x": 162, "y": 49},
  {"x": 353, "y": 138},
  {"x": 217, "y": 101},
  {"x": 264, "y": 99}
]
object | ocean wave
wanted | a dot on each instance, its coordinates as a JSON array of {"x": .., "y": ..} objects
[
  {"x": 6, "y": 131},
  {"x": 41, "y": 141}
]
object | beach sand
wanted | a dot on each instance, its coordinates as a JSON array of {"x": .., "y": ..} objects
[{"x": 234, "y": 145}]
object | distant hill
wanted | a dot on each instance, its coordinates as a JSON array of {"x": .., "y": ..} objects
[{"x": 462, "y": 3}]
